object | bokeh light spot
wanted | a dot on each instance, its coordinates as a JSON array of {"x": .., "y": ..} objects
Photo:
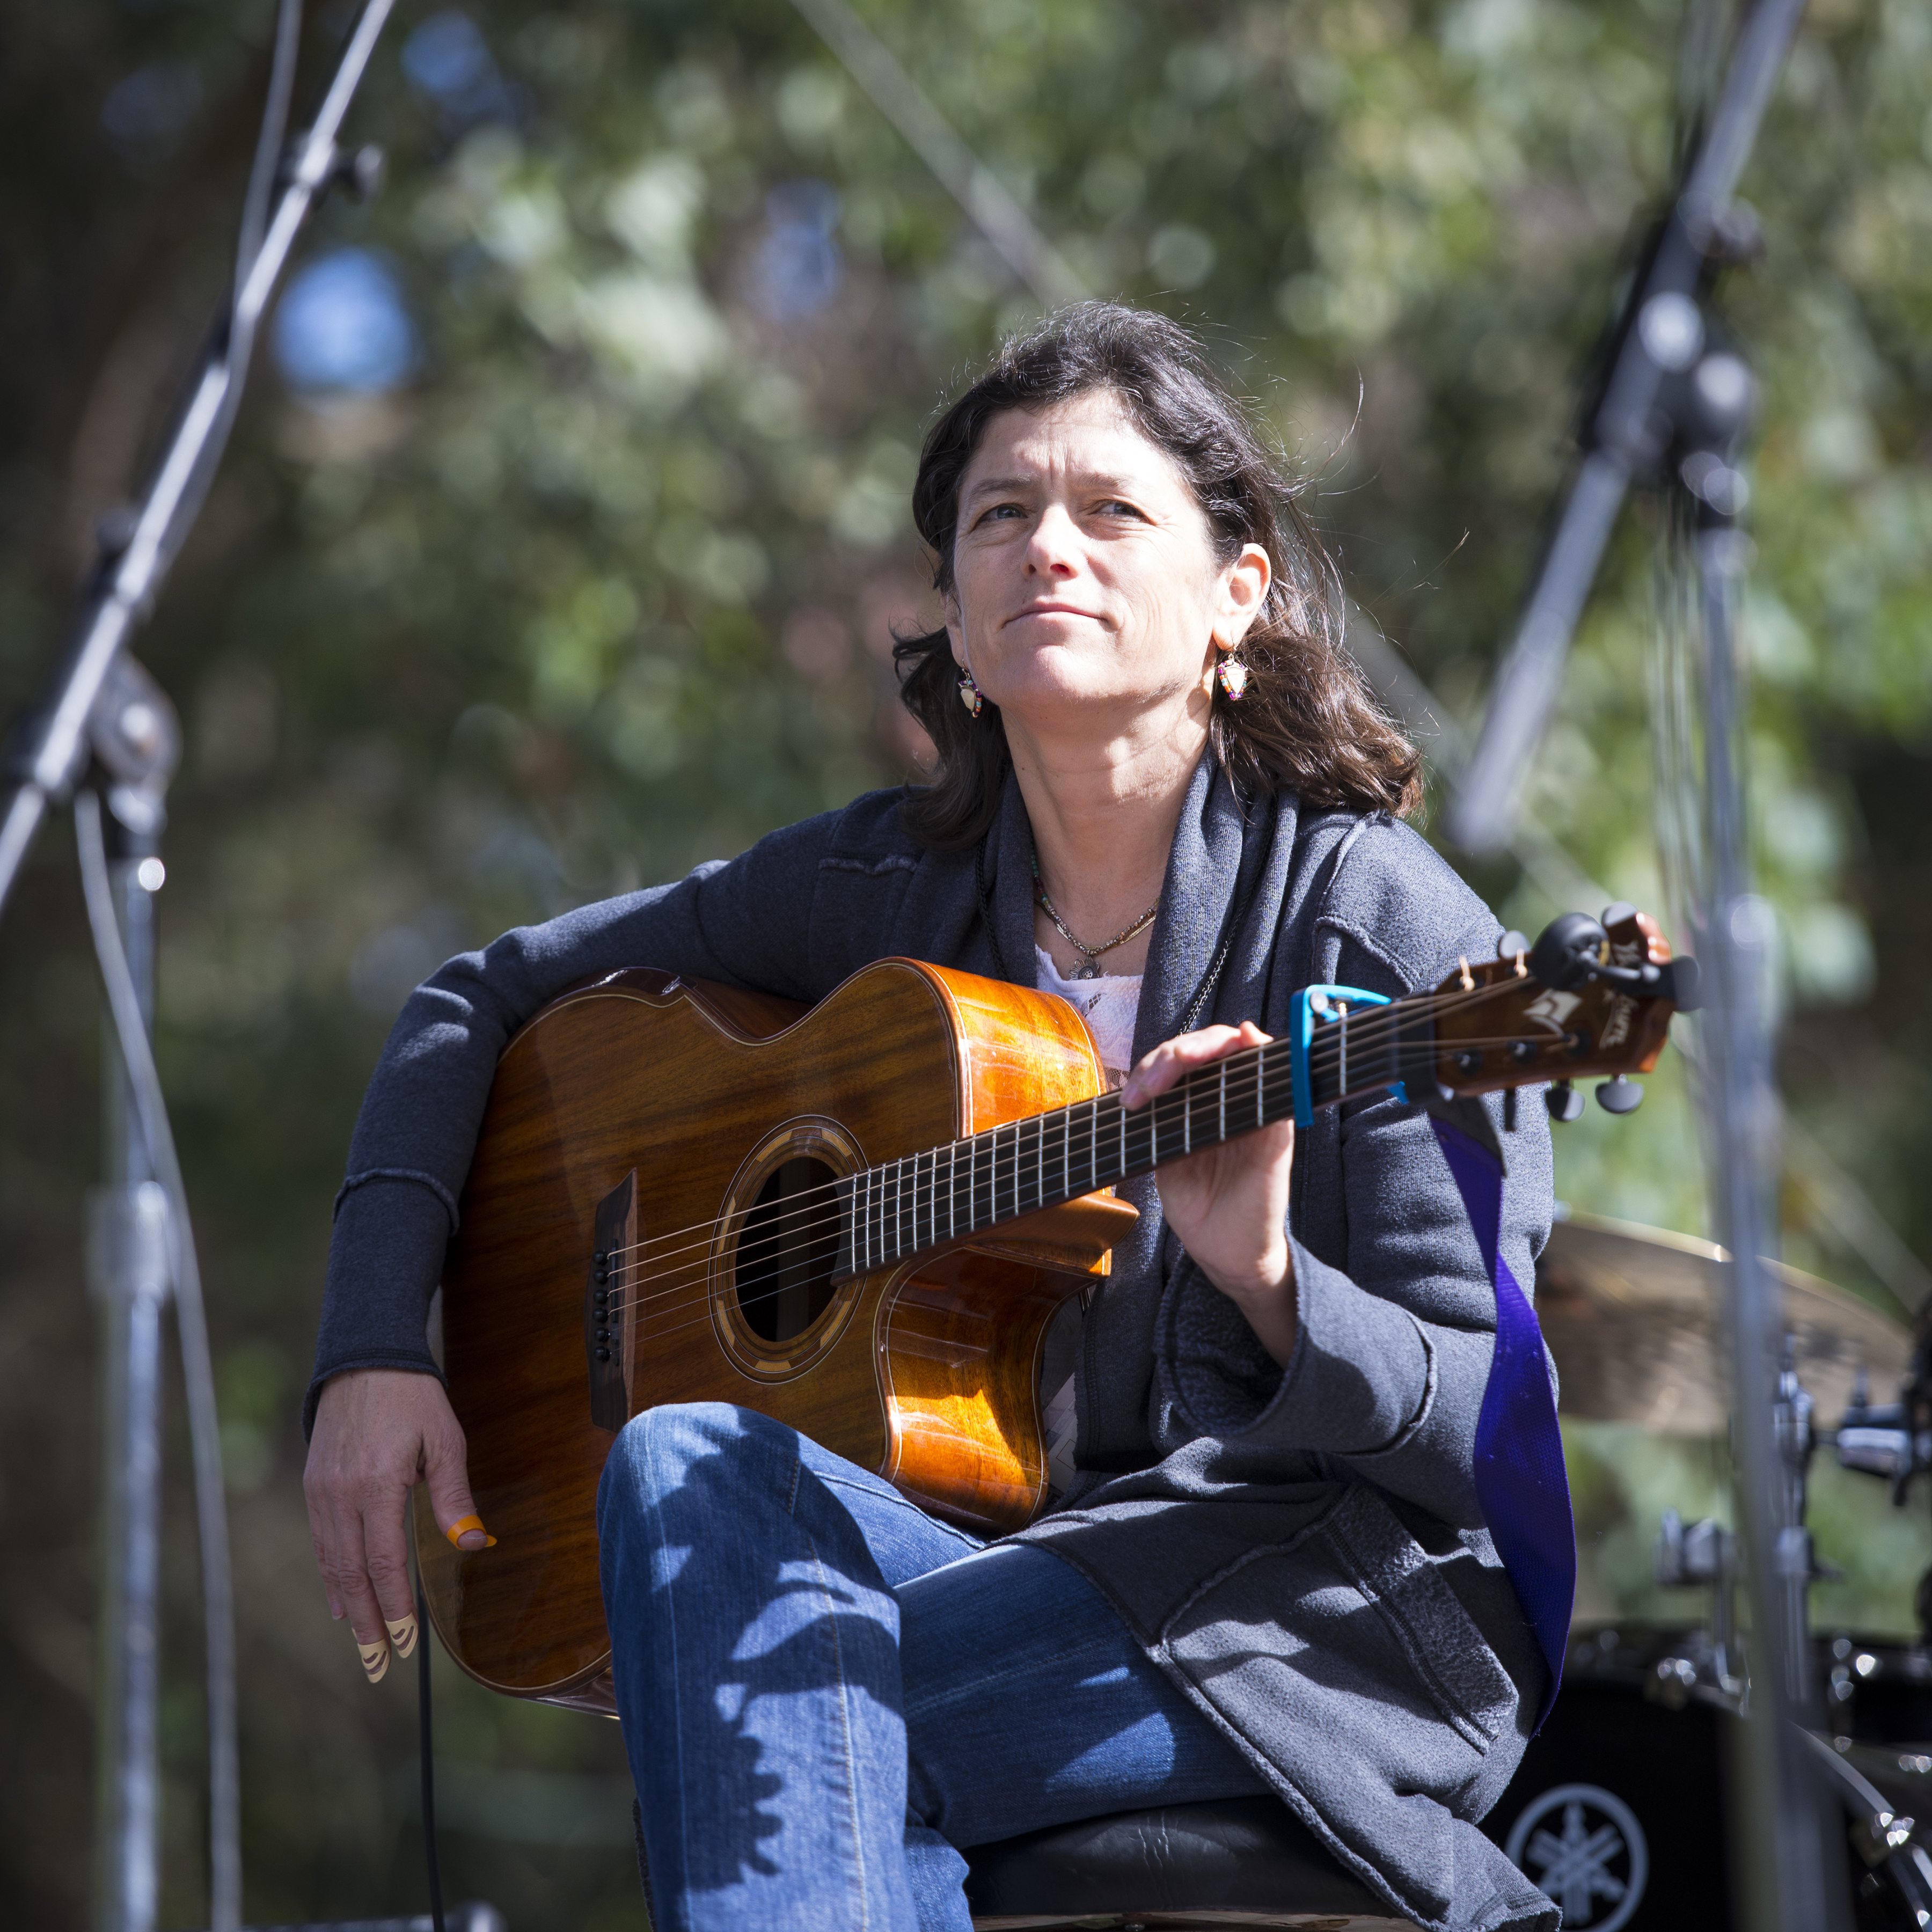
[{"x": 343, "y": 326}]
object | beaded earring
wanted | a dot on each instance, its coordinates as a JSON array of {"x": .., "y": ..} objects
[
  {"x": 969, "y": 694},
  {"x": 1233, "y": 675}
]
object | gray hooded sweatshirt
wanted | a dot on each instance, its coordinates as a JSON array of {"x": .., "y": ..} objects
[{"x": 1301, "y": 1550}]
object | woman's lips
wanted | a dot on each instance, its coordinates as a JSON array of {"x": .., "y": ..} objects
[{"x": 1055, "y": 610}]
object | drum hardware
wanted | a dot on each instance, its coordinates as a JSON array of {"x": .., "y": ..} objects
[
  {"x": 1893, "y": 1441},
  {"x": 1886, "y": 1840},
  {"x": 1703, "y": 1555},
  {"x": 1876, "y": 1439},
  {"x": 1641, "y": 1742}
]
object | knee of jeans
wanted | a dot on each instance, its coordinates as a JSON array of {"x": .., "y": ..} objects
[{"x": 655, "y": 1451}]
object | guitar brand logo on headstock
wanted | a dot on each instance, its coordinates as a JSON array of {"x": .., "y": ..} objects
[
  {"x": 1552, "y": 1009},
  {"x": 1616, "y": 1028}
]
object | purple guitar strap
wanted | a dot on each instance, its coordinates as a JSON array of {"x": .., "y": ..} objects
[{"x": 1520, "y": 1481}]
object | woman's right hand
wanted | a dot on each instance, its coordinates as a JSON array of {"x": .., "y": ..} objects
[{"x": 378, "y": 1433}]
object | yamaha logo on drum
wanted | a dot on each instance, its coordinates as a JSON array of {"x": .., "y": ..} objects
[{"x": 1583, "y": 1847}]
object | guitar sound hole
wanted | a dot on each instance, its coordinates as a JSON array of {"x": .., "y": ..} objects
[{"x": 787, "y": 1252}]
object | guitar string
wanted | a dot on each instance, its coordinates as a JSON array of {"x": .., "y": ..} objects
[
  {"x": 795, "y": 1238},
  {"x": 1093, "y": 1137},
  {"x": 1374, "y": 1029},
  {"x": 1103, "y": 1126},
  {"x": 799, "y": 1238}
]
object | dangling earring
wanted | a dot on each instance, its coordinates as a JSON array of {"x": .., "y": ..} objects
[
  {"x": 1233, "y": 675},
  {"x": 970, "y": 695}
]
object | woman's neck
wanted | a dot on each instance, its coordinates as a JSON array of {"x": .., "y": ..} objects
[{"x": 1103, "y": 816}]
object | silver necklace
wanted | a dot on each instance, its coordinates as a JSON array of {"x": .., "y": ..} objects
[{"x": 1089, "y": 966}]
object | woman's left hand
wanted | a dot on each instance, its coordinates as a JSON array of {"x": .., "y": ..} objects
[{"x": 1228, "y": 1205}]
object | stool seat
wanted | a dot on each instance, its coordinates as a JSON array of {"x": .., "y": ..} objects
[{"x": 1231, "y": 1861}]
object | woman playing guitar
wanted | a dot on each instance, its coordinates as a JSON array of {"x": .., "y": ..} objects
[{"x": 1162, "y": 792}]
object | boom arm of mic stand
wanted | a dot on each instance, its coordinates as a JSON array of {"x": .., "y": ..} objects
[
  {"x": 50, "y": 745},
  {"x": 1482, "y": 813}
]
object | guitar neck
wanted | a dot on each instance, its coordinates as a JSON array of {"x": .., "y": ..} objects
[{"x": 891, "y": 1212}]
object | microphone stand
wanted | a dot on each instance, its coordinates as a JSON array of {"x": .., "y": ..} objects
[
  {"x": 101, "y": 718},
  {"x": 48, "y": 749},
  {"x": 1672, "y": 406}
]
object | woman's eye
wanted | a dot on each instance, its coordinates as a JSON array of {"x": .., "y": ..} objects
[
  {"x": 998, "y": 513},
  {"x": 1115, "y": 507}
]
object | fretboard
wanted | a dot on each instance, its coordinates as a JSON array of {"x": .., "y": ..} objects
[{"x": 945, "y": 1193}]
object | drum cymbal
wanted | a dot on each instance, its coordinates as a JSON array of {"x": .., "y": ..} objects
[{"x": 1633, "y": 1316}]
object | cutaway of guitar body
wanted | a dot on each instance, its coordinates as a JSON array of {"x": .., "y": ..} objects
[{"x": 731, "y": 1115}]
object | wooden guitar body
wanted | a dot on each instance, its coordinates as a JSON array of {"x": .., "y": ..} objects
[{"x": 691, "y": 1135}]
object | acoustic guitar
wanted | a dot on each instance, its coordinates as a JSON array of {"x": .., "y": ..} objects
[{"x": 861, "y": 1218}]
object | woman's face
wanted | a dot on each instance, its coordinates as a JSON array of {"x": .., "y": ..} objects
[{"x": 1083, "y": 570}]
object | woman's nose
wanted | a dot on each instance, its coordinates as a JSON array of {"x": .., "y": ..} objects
[{"x": 1053, "y": 550}]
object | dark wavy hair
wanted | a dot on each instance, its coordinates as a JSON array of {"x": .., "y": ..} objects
[{"x": 1306, "y": 723}]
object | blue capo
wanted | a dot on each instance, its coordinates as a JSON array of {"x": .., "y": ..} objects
[{"x": 1318, "y": 1002}]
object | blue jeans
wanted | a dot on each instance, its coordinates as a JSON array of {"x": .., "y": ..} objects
[{"x": 824, "y": 1691}]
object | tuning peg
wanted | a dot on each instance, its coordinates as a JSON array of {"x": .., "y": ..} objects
[
  {"x": 1510, "y": 944},
  {"x": 1618, "y": 1096},
  {"x": 1569, "y": 953},
  {"x": 1563, "y": 1100},
  {"x": 1683, "y": 984}
]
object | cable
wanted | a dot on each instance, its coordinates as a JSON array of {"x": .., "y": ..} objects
[
  {"x": 268, "y": 158},
  {"x": 137, "y": 1055},
  {"x": 427, "y": 1754},
  {"x": 239, "y": 324}
]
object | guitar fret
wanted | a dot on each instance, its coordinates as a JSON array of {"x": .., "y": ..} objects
[{"x": 1187, "y": 1117}]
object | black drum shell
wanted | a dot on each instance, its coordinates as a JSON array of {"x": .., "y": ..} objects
[
  {"x": 1633, "y": 1720},
  {"x": 1666, "y": 1764}
]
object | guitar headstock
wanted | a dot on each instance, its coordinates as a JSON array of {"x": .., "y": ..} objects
[{"x": 1588, "y": 998}]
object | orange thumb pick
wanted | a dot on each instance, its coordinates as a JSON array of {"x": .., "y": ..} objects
[{"x": 462, "y": 1526}]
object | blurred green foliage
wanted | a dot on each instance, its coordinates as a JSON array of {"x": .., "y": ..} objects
[{"x": 607, "y": 586}]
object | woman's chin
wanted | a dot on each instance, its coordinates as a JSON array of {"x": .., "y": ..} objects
[{"x": 1056, "y": 704}]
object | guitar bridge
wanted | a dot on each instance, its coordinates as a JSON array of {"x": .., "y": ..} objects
[{"x": 609, "y": 1318}]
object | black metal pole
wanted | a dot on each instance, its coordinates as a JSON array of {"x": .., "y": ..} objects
[{"x": 1784, "y": 1859}]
